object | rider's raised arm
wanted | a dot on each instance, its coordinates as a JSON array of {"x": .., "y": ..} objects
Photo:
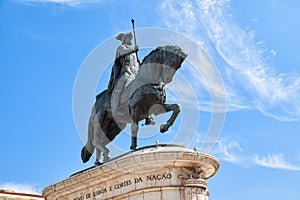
[{"x": 124, "y": 50}]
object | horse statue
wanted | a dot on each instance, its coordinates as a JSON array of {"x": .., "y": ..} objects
[{"x": 145, "y": 96}]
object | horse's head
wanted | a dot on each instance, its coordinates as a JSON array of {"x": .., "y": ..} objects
[
  {"x": 165, "y": 61},
  {"x": 173, "y": 56}
]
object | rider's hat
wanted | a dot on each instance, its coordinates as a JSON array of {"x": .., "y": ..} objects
[{"x": 122, "y": 36}]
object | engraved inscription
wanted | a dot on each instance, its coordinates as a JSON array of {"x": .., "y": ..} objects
[{"x": 124, "y": 184}]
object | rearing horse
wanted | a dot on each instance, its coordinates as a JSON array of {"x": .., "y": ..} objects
[{"x": 142, "y": 96}]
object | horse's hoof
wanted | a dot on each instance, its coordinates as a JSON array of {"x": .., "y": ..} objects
[
  {"x": 164, "y": 128},
  {"x": 133, "y": 148},
  {"x": 149, "y": 121},
  {"x": 105, "y": 159},
  {"x": 97, "y": 163}
]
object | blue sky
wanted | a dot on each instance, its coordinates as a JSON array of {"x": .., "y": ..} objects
[{"x": 253, "y": 44}]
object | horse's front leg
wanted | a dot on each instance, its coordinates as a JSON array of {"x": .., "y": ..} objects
[
  {"x": 134, "y": 130},
  {"x": 170, "y": 107}
]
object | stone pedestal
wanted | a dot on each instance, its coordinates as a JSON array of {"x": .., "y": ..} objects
[{"x": 152, "y": 173}]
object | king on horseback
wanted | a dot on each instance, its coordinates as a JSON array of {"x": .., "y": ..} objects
[{"x": 135, "y": 92}]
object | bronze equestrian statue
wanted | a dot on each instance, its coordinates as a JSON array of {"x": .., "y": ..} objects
[{"x": 133, "y": 93}]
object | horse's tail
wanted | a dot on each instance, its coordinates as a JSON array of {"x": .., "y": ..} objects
[
  {"x": 85, "y": 154},
  {"x": 88, "y": 150}
]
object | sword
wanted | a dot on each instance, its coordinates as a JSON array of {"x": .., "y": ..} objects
[{"x": 134, "y": 37}]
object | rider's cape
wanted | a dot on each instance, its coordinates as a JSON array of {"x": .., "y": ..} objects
[{"x": 115, "y": 73}]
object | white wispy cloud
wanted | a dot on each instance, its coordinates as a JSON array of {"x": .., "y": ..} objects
[
  {"x": 275, "y": 161},
  {"x": 20, "y": 187},
  {"x": 231, "y": 151},
  {"x": 71, "y": 3},
  {"x": 250, "y": 82}
]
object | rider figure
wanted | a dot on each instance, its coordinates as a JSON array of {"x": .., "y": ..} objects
[{"x": 125, "y": 69}]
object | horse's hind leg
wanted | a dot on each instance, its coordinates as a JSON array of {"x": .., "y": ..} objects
[
  {"x": 105, "y": 154},
  {"x": 101, "y": 150},
  {"x": 98, "y": 157},
  {"x": 170, "y": 107}
]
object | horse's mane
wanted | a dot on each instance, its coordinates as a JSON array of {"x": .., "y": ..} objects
[
  {"x": 149, "y": 55},
  {"x": 164, "y": 49}
]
